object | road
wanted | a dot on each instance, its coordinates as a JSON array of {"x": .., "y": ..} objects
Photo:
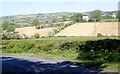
[{"x": 18, "y": 65}]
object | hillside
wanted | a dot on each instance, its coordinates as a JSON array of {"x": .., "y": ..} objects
[
  {"x": 90, "y": 29},
  {"x": 43, "y": 17}
]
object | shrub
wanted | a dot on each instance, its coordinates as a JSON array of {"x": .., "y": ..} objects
[
  {"x": 107, "y": 50},
  {"x": 36, "y": 35},
  {"x": 10, "y": 28},
  {"x": 5, "y": 25},
  {"x": 7, "y": 36},
  {"x": 99, "y": 35}
]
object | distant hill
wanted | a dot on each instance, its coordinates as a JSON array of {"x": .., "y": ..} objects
[
  {"x": 43, "y": 17},
  {"x": 40, "y": 16}
]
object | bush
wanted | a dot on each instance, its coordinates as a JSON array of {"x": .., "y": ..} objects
[
  {"x": 36, "y": 35},
  {"x": 107, "y": 50},
  {"x": 7, "y": 36},
  {"x": 104, "y": 50},
  {"x": 69, "y": 45},
  {"x": 10, "y": 28},
  {"x": 5, "y": 25},
  {"x": 99, "y": 35}
]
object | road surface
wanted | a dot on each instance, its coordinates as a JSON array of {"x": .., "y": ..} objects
[{"x": 18, "y": 65}]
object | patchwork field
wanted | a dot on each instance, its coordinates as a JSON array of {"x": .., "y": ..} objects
[{"x": 77, "y": 29}]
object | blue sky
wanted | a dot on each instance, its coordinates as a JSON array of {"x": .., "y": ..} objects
[{"x": 16, "y": 8}]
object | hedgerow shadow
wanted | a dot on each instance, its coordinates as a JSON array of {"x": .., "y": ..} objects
[{"x": 100, "y": 51}]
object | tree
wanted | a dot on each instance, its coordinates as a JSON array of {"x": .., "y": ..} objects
[
  {"x": 78, "y": 17},
  {"x": 64, "y": 18},
  {"x": 35, "y": 22},
  {"x": 10, "y": 28},
  {"x": 118, "y": 15},
  {"x": 5, "y": 25},
  {"x": 110, "y": 15},
  {"x": 96, "y": 15}
]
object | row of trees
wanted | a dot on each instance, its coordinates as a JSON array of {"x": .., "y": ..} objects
[{"x": 95, "y": 16}]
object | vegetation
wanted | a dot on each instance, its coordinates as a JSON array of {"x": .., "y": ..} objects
[
  {"x": 5, "y": 25},
  {"x": 11, "y": 28},
  {"x": 36, "y": 35},
  {"x": 107, "y": 46},
  {"x": 96, "y": 15},
  {"x": 64, "y": 18},
  {"x": 36, "y": 23},
  {"x": 12, "y": 35},
  {"x": 109, "y": 20},
  {"x": 118, "y": 15},
  {"x": 78, "y": 17},
  {"x": 95, "y": 49}
]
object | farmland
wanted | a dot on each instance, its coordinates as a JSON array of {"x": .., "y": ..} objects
[
  {"x": 60, "y": 37},
  {"x": 77, "y": 29},
  {"x": 91, "y": 29}
]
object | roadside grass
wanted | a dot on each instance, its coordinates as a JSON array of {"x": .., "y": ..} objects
[
  {"x": 111, "y": 66},
  {"x": 56, "y": 47},
  {"x": 50, "y": 54}
]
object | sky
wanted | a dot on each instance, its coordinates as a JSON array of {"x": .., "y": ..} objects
[{"x": 12, "y": 7}]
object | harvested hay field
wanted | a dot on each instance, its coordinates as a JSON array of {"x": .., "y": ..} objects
[
  {"x": 30, "y": 31},
  {"x": 91, "y": 29}
]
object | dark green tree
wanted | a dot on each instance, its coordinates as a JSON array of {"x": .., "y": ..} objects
[
  {"x": 96, "y": 15},
  {"x": 64, "y": 18},
  {"x": 78, "y": 17},
  {"x": 118, "y": 15},
  {"x": 5, "y": 25},
  {"x": 11, "y": 28},
  {"x": 36, "y": 22}
]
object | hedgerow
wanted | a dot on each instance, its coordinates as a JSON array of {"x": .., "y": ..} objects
[{"x": 97, "y": 50}]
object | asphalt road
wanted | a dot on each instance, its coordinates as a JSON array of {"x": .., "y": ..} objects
[{"x": 18, "y": 65}]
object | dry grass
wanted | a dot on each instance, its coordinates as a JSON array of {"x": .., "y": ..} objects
[
  {"x": 30, "y": 31},
  {"x": 78, "y": 29},
  {"x": 90, "y": 29}
]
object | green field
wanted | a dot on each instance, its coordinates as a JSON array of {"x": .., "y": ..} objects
[{"x": 81, "y": 38}]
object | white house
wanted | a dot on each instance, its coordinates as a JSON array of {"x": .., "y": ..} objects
[
  {"x": 114, "y": 15},
  {"x": 86, "y": 18}
]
